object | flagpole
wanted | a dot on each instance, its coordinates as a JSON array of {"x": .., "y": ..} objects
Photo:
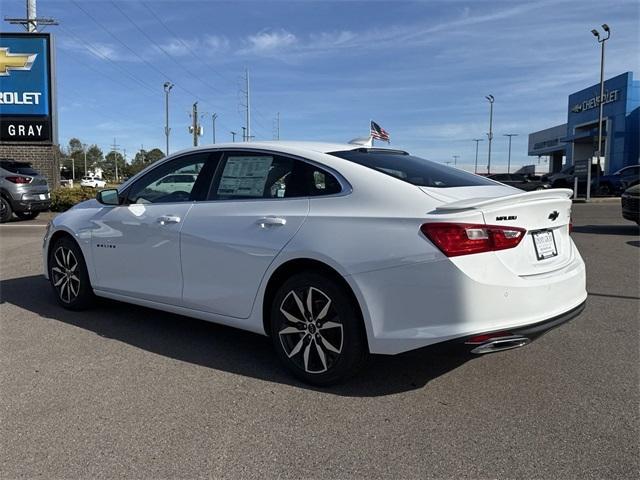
[{"x": 370, "y": 135}]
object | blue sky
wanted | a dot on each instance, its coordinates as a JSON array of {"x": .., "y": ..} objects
[{"x": 420, "y": 69}]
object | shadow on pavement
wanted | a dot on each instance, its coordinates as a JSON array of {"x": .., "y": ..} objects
[
  {"x": 221, "y": 347},
  {"x": 607, "y": 229},
  {"x": 634, "y": 243}
]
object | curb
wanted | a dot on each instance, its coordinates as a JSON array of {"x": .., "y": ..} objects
[{"x": 597, "y": 200}]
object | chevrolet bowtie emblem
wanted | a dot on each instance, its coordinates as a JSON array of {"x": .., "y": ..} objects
[{"x": 15, "y": 61}]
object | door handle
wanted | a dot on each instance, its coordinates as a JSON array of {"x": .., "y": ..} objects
[
  {"x": 166, "y": 219},
  {"x": 271, "y": 222}
]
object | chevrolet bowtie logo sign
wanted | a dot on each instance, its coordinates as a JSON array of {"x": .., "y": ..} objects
[{"x": 15, "y": 61}]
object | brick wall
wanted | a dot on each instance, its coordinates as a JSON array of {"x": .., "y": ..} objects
[{"x": 44, "y": 158}]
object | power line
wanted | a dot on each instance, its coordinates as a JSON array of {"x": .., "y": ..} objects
[
  {"x": 150, "y": 65},
  {"x": 183, "y": 43},
  {"x": 155, "y": 44},
  {"x": 95, "y": 51},
  {"x": 146, "y": 62}
]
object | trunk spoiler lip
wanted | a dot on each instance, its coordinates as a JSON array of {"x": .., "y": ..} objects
[{"x": 481, "y": 202}]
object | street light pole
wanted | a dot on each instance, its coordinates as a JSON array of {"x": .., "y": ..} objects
[
  {"x": 509, "y": 160},
  {"x": 601, "y": 41},
  {"x": 167, "y": 88},
  {"x": 490, "y": 134},
  {"x": 477, "y": 140},
  {"x": 84, "y": 148},
  {"x": 213, "y": 130},
  {"x": 233, "y": 136}
]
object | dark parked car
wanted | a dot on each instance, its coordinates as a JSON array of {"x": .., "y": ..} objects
[
  {"x": 564, "y": 179},
  {"x": 618, "y": 182},
  {"x": 520, "y": 180},
  {"x": 631, "y": 204},
  {"x": 23, "y": 191}
]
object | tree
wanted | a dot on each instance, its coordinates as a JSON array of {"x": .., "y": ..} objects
[
  {"x": 142, "y": 159},
  {"x": 108, "y": 166},
  {"x": 154, "y": 155}
]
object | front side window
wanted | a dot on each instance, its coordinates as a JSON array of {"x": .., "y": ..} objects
[
  {"x": 256, "y": 175},
  {"x": 183, "y": 179},
  {"x": 411, "y": 169}
]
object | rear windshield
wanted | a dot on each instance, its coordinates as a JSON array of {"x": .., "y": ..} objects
[
  {"x": 21, "y": 168},
  {"x": 415, "y": 170}
]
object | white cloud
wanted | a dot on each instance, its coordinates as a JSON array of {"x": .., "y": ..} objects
[
  {"x": 97, "y": 49},
  {"x": 266, "y": 42}
]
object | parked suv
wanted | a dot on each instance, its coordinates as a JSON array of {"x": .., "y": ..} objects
[
  {"x": 93, "y": 182},
  {"x": 23, "y": 191},
  {"x": 564, "y": 178}
]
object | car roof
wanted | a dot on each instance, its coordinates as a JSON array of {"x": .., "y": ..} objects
[{"x": 285, "y": 145}]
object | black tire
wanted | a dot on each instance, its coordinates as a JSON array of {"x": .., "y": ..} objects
[
  {"x": 26, "y": 215},
  {"x": 605, "y": 190},
  {"x": 68, "y": 275},
  {"x": 325, "y": 347},
  {"x": 5, "y": 210}
]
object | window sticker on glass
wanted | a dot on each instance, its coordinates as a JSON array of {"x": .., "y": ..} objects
[{"x": 245, "y": 176}]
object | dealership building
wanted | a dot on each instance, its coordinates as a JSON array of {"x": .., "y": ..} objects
[{"x": 577, "y": 140}]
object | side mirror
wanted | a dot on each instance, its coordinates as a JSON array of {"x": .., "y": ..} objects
[{"x": 108, "y": 197}]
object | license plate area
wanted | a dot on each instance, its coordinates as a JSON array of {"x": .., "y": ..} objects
[{"x": 544, "y": 243}]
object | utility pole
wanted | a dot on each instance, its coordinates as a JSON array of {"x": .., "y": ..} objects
[
  {"x": 167, "y": 88},
  {"x": 195, "y": 128},
  {"x": 599, "y": 153},
  {"x": 455, "y": 160},
  {"x": 509, "y": 160},
  {"x": 84, "y": 148},
  {"x": 32, "y": 26},
  {"x": 490, "y": 134},
  {"x": 477, "y": 140},
  {"x": 32, "y": 21},
  {"x": 233, "y": 136},
  {"x": 213, "y": 128},
  {"x": 115, "y": 148},
  {"x": 248, "y": 106},
  {"x": 277, "y": 126}
]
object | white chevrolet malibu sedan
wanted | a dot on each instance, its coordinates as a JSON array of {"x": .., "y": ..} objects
[{"x": 335, "y": 251}]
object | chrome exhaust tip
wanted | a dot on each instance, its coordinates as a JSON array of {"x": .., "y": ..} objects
[{"x": 499, "y": 344}]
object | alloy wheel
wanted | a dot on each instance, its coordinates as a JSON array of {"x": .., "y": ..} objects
[
  {"x": 312, "y": 334},
  {"x": 65, "y": 274}
]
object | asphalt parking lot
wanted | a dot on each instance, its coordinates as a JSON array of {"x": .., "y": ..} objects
[{"x": 126, "y": 391}]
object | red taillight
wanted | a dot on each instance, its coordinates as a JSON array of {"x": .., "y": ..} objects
[
  {"x": 19, "y": 179},
  {"x": 485, "y": 337},
  {"x": 455, "y": 239}
]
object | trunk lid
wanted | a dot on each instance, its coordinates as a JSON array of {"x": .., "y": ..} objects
[{"x": 545, "y": 215}]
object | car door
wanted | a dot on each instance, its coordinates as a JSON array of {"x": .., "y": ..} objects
[
  {"x": 257, "y": 204},
  {"x": 136, "y": 246}
]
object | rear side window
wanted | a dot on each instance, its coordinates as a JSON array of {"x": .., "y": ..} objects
[
  {"x": 21, "y": 168},
  {"x": 415, "y": 170}
]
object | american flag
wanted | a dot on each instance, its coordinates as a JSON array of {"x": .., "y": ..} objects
[{"x": 378, "y": 132}]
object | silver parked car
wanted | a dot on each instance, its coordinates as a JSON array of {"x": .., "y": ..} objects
[{"x": 23, "y": 191}]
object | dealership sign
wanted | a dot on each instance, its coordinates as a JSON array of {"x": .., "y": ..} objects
[
  {"x": 609, "y": 96},
  {"x": 25, "y": 87}
]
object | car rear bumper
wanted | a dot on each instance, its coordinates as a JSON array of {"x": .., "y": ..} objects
[
  {"x": 31, "y": 206},
  {"x": 417, "y": 305}
]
